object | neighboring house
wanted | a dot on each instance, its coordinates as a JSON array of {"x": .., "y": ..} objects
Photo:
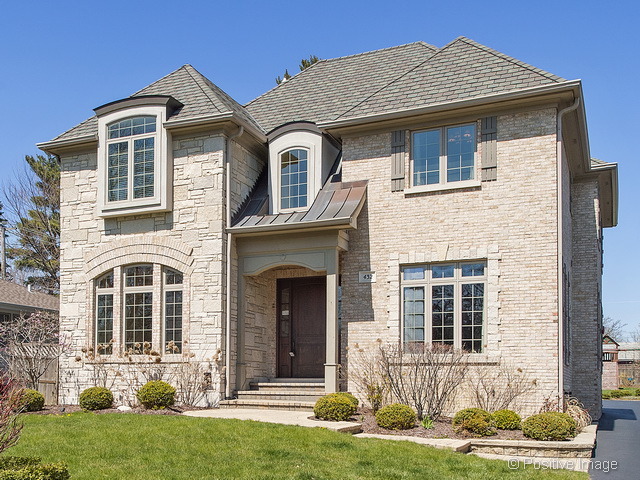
[
  {"x": 440, "y": 195},
  {"x": 610, "y": 351},
  {"x": 629, "y": 364},
  {"x": 18, "y": 300}
]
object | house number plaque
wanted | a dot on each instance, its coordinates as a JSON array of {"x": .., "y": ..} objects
[{"x": 367, "y": 277}]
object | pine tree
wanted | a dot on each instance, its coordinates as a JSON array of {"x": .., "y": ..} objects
[
  {"x": 304, "y": 64},
  {"x": 35, "y": 201}
]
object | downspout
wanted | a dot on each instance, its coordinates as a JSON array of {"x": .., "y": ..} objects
[
  {"x": 560, "y": 279},
  {"x": 227, "y": 353}
]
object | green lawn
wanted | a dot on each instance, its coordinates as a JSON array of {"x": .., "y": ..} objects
[{"x": 156, "y": 447}]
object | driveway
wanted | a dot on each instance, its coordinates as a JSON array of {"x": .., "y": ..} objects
[{"x": 618, "y": 441}]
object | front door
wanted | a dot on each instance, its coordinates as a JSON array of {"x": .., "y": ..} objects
[{"x": 301, "y": 327}]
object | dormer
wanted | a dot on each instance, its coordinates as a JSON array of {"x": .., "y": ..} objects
[
  {"x": 134, "y": 155},
  {"x": 300, "y": 159}
]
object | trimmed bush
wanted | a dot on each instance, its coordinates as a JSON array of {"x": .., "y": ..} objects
[
  {"x": 506, "y": 420},
  {"x": 31, "y": 400},
  {"x": 96, "y": 398},
  {"x": 637, "y": 392},
  {"x": 396, "y": 417},
  {"x": 606, "y": 395},
  {"x": 617, "y": 393},
  {"x": 474, "y": 420},
  {"x": 549, "y": 426},
  {"x": 29, "y": 468},
  {"x": 349, "y": 397},
  {"x": 157, "y": 395},
  {"x": 334, "y": 407}
]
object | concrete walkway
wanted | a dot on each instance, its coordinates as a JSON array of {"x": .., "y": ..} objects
[
  {"x": 618, "y": 441},
  {"x": 284, "y": 417}
]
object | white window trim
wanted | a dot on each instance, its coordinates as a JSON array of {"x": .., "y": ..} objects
[
  {"x": 162, "y": 160},
  {"x": 311, "y": 192},
  {"x": 457, "y": 280},
  {"x": 443, "y": 184},
  {"x": 178, "y": 287}
]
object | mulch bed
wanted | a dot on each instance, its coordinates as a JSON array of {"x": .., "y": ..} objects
[
  {"x": 65, "y": 409},
  {"x": 441, "y": 429}
]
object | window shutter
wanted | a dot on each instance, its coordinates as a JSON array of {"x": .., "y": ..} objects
[
  {"x": 397, "y": 160},
  {"x": 488, "y": 133}
]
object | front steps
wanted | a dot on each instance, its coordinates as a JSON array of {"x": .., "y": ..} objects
[{"x": 280, "y": 394}]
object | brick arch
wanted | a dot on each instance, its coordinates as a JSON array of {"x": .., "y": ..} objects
[{"x": 169, "y": 252}]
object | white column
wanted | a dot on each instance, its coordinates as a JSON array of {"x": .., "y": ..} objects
[{"x": 331, "y": 366}]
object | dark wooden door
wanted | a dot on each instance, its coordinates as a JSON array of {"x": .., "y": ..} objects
[{"x": 301, "y": 327}]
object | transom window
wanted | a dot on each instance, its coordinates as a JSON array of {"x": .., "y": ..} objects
[
  {"x": 443, "y": 155},
  {"x": 137, "y": 319},
  {"x": 131, "y": 159},
  {"x": 445, "y": 304},
  {"x": 293, "y": 178}
]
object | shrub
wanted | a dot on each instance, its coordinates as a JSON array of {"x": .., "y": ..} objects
[
  {"x": 96, "y": 398},
  {"x": 352, "y": 398},
  {"x": 618, "y": 393},
  {"x": 156, "y": 395},
  {"x": 396, "y": 417},
  {"x": 637, "y": 392},
  {"x": 606, "y": 395},
  {"x": 549, "y": 426},
  {"x": 29, "y": 468},
  {"x": 474, "y": 420},
  {"x": 31, "y": 400},
  {"x": 506, "y": 420},
  {"x": 334, "y": 407}
]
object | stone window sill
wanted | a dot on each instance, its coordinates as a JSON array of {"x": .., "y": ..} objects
[{"x": 442, "y": 187}]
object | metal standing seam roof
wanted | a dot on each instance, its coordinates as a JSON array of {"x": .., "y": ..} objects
[
  {"x": 337, "y": 204},
  {"x": 18, "y": 296}
]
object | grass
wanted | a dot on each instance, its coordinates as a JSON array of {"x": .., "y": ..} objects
[{"x": 144, "y": 447}]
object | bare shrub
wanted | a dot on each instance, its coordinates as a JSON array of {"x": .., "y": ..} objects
[
  {"x": 576, "y": 410},
  {"x": 191, "y": 378},
  {"x": 366, "y": 372},
  {"x": 10, "y": 404},
  {"x": 499, "y": 387},
  {"x": 423, "y": 376},
  {"x": 31, "y": 343}
]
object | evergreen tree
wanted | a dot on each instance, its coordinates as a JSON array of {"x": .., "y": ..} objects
[
  {"x": 35, "y": 202},
  {"x": 304, "y": 64}
]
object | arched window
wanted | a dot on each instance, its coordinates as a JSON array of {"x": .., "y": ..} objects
[
  {"x": 130, "y": 159},
  {"x": 293, "y": 178},
  {"x": 127, "y": 310}
]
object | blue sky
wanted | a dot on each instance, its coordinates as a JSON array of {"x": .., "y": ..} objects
[{"x": 61, "y": 59}]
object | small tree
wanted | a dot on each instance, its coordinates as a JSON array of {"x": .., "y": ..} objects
[
  {"x": 304, "y": 64},
  {"x": 499, "y": 387},
  {"x": 10, "y": 425},
  {"x": 366, "y": 372},
  {"x": 423, "y": 376},
  {"x": 31, "y": 343}
]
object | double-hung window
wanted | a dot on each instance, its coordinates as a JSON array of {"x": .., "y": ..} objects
[
  {"x": 445, "y": 304},
  {"x": 293, "y": 178},
  {"x": 104, "y": 313},
  {"x": 131, "y": 159},
  {"x": 444, "y": 155}
]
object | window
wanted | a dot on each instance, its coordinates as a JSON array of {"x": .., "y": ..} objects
[
  {"x": 293, "y": 178},
  {"x": 131, "y": 159},
  {"x": 443, "y": 155},
  {"x": 137, "y": 321},
  {"x": 445, "y": 304},
  {"x": 104, "y": 314}
]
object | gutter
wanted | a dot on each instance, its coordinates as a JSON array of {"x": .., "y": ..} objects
[
  {"x": 227, "y": 353},
  {"x": 573, "y": 85},
  {"x": 560, "y": 278}
]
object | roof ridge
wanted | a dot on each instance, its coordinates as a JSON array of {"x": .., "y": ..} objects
[
  {"x": 160, "y": 79},
  {"x": 395, "y": 79},
  {"x": 208, "y": 92},
  {"x": 510, "y": 59}
]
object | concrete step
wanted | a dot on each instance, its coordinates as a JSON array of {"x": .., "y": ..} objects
[
  {"x": 287, "y": 387},
  {"x": 268, "y": 404},
  {"x": 289, "y": 395}
]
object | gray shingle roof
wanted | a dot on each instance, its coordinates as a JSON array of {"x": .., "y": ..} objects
[
  {"x": 397, "y": 78},
  {"x": 330, "y": 87},
  {"x": 17, "y": 296},
  {"x": 198, "y": 94}
]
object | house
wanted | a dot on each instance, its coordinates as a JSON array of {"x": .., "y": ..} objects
[
  {"x": 18, "y": 300},
  {"x": 629, "y": 364},
  {"x": 428, "y": 194}
]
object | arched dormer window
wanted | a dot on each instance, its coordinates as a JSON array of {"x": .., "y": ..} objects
[
  {"x": 130, "y": 159},
  {"x": 294, "y": 179}
]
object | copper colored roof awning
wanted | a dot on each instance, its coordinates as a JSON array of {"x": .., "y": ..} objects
[{"x": 336, "y": 206}]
